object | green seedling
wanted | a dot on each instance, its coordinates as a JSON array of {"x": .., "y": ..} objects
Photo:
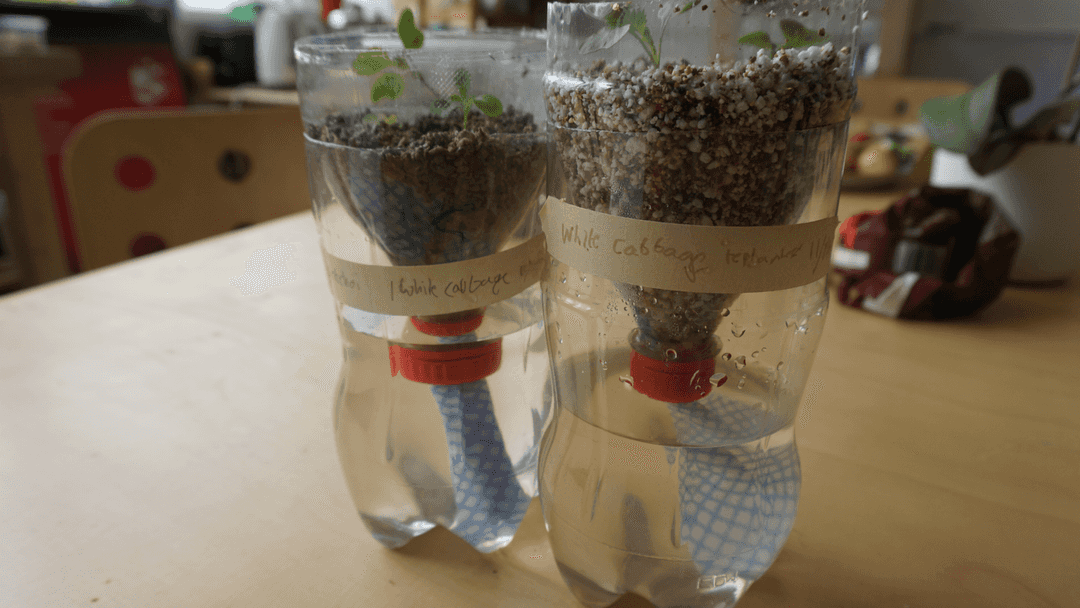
[
  {"x": 488, "y": 104},
  {"x": 795, "y": 36},
  {"x": 391, "y": 85},
  {"x": 622, "y": 21}
]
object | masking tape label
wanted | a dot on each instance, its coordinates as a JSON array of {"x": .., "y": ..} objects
[
  {"x": 699, "y": 259},
  {"x": 440, "y": 288}
]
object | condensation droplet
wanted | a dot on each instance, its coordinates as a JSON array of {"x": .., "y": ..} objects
[
  {"x": 563, "y": 278},
  {"x": 789, "y": 323},
  {"x": 725, "y": 312},
  {"x": 603, "y": 364},
  {"x": 627, "y": 380},
  {"x": 779, "y": 365},
  {"x": 718, "y": 379},
  {"x": 764, "y": 348},
  {"x": 742, "y": 382},
  {"x": 652, "y": 301},
  {"x": 754, "y": 354},
  {"x": 738, "y": 332},
  {"x": 726, "y": 356},
  {"x": 757, "y": 323},
  {"x": 740, "y": 362},
  {"x": 671, "y": 354}
]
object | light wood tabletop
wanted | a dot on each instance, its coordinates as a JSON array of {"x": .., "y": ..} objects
[{"x": 166, "y": 442}]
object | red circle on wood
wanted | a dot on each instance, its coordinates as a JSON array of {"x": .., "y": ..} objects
[
  {"x": 134, "y": 173},
  {"x": 147, "y": 243}
]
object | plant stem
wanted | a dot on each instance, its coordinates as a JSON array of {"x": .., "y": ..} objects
[
  {"x": 648, "y": 48},
  {"x": 660, "y": 43}
]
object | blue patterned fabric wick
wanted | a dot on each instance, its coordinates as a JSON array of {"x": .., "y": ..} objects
[
  {"x": 738, "y": 503},
  {"x": 490, "y": 501}
]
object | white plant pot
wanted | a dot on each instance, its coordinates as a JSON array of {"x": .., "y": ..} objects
[{"x": 1039, "y": 190}]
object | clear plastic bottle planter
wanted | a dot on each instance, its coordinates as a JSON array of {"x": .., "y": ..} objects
[
  {"x": 433, "y": 248},
  {"x": 694, "y": 176}
]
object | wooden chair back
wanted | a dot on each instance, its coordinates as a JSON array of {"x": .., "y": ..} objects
[{"x": 144, "y": 181}]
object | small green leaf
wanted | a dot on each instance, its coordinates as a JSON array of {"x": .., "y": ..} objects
[
  {"x": 391, "y": 119},
  {"x": 371, "y": 62},
  {"x": 490, "y": 105},
  {"x": 614, "y": 19},
  {"x": 440, "y": 106},
  {"x": 371, "y": 118},
  {"x": 410, "y": 35},
  {"x": 401, "y": 63},
  {"x": 457, "y": 98},
  {"x": 462, "y": 80},
  {"x": 797, "y": 36},
  {"x": 760, "y": 40},
  {"x": 388, "y": 86},
  {"x": 639, "y": 26}
]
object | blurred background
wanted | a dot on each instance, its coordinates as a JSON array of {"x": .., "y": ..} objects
[{"x": 128, "y": 127}]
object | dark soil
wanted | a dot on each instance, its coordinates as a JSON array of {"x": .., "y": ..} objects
[
  {"x": 429, "y": 191},
  {"x": 426, "y": 132}
]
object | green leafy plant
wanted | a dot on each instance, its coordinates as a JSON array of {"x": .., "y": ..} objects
[
  {"x": 488, "y": 104},
  {"x": 795, "y": 36},
  {"x": 391, "y": 85},
  {"x": 623, "y": 20}
]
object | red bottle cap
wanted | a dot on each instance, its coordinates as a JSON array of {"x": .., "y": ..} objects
[
  {"x": 446, "y": 366},
  {"x": 453, "y": 327},
  {"x": 669, "y": 381}
]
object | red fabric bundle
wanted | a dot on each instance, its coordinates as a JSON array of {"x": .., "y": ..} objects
[{"x": 935, "y": 254}]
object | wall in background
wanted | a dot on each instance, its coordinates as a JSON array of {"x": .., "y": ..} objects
[
  {"x": 191, "y": 16},
  {"x": 971, "y": 39},
  {"x": 1038, "y": 15}
]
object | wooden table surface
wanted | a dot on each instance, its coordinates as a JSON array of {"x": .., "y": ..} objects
[{"x": 166, "y": 442}]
